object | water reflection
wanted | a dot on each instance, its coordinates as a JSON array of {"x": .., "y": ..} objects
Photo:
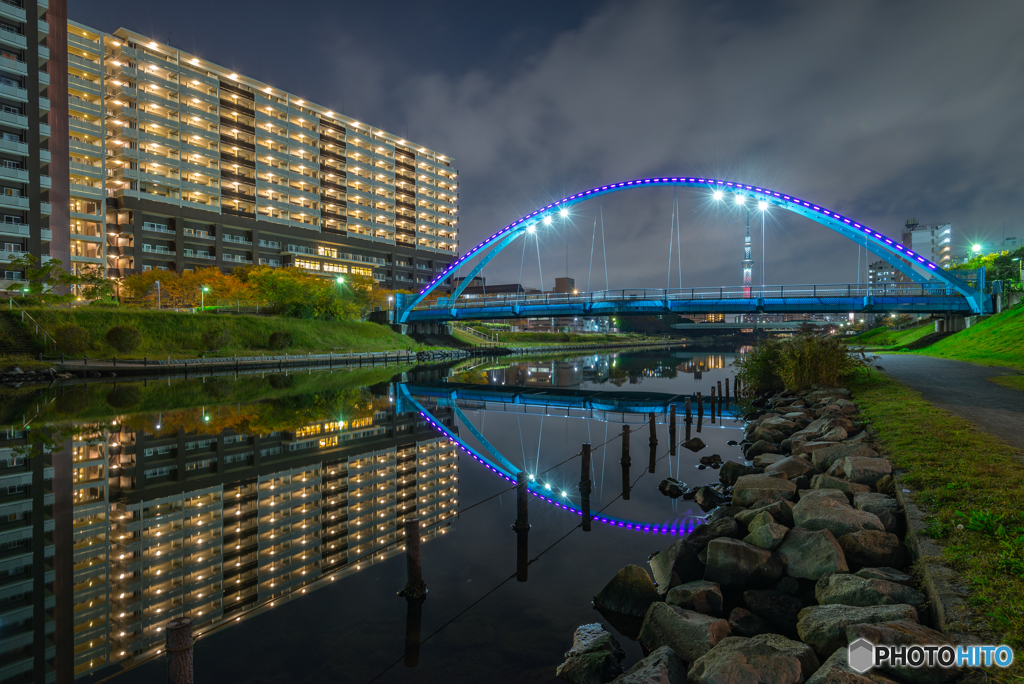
[{"x": 220, "y": 498}]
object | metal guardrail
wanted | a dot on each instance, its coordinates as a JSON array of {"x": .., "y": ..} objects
[
  {"x": 697, "y": 293},
  {"x": 39, "y": 328}
]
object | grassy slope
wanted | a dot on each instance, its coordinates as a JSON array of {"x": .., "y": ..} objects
[
  {"x": 953, "y": 467},
  {"x": 996, "y": 341},
  {"x": 895, "y": 339},
  {"x": 180, "y": 335}
]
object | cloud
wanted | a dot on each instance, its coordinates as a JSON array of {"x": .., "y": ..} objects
[{"x": 880, "y": 110}]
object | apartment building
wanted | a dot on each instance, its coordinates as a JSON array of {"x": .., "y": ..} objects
[
  {"x": 881, "y": 272},
  {"x": 33, "y": 130},
  {"x": 207, "y": 167},
  {"x": 219, "y": 526},
  {"x": 934, "y": 243}
]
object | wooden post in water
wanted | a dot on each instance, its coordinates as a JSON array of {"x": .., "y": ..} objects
[
  {"x": 585, "y": 487},
  {"x": 522, "y": 555},
  {"x": 736, "y": 387},
  {"x": 522, "y": 502},
  {"x": 672, "y": 426},
  {"x": 727, "y": 393},
  {"x": 179, "y": 651},
  {"x": 712, "y": 404},
  {"x": 689, "y": 415},
  {"x": 654, "y": 432},
  {"x": 415, "y": 587},
  {"x": 654, "y": 459},
  {"x": 413, "y": 622}
]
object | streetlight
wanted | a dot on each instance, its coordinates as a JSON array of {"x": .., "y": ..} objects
[
  {"x": 202, "y": 302},
  {"x": 1020, "y": 265},
  {"x": 976, "y": 248},
  {"x": 340, "y": 280}
]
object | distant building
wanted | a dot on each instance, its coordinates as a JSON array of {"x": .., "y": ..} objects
[
  {"x": 565, "y": 285},
  {"x": 881, "y": 272},
  {"x": 1007, "y": 244},
  {"x": 934, "y": 243}
]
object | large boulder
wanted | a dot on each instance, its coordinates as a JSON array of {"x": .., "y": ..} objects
[
  {"x": 595, "y": 657},
  {"x": 662, "y": 666},
  {"x": 866, "y": 471},
  {"x": 906, "y": 633},
  {"x": 765, "y": 658},
  {"x": 764, "y": 460},
  {"x": 707, "y": 498},
  {"x": 762, "y": 433},
  {"x": 630, "y": 592},
  {"x": 839, "y": 518},
  {"x": 731, "y": 470},
  {"x": 811, "y": 554},
  {"x": 824, "y": 458},
  {"x": 872, "y": 549},
  {"x": 836, "y": 434},
  {"x": 805, "y": 447},
  {"x": 779, "y": 423},
  {"x": 744, "y": 623},
  {"x": 887, "y": 574},
  {"x": 851, "y": 590},
  {"x": 761, "y": 446},
  {"x": 827, "y": 493},
  {"x": 781, "y": 511},
  {"x": 823, "y": 628},
  {"x": 679, "y": 563},
  {"x": 733, "y": 563},
  {"x": 792, "y": 466},
  {"x": 689, "y": 634},
  {"x": 885, "y": 507},
  {"x": 774, "y": 606},
  {"x": 767, "y": 536},
  {"x": 828, "y": 482},
  {"x": 700, "y": 596},
  {"x": 750, "y": 490},
  {"x": 671, "y": 487}
]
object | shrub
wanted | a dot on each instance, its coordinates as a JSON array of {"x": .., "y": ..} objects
[
  {"x": 124, "y": 338},
  {"x": 760, "y": 370},
  {"x": 215, "y": 338},
  {"x": 124, "y": 396},
  {"x": 799, "y": 363},
  {"x": 280, "y": 340},
  {"x": 72, "y": 339}
]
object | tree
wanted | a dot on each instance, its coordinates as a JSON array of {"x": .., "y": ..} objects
[
  {"x": 48, "y": 283},
  {"x": 998, "y": 266}
]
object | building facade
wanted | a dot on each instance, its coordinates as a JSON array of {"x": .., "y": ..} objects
[
  {"x": 934, "y": 243},
  {"x": 882, "y": 272},
  {"x": 173, "y": 162},
  {"x": 33, "y": 132}
]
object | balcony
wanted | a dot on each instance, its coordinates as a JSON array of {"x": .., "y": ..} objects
[
  {"x": 14, "y": 202},
  {"x": 15, "y": 92},
  {"x": 236, "y": 239},
  {"x": 13, "y": 174}
]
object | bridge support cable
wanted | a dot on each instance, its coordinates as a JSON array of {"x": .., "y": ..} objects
[
  {"x": 539, "y": 267},
  {"x": 593, "y": 241},
  {"x": 604, "y": 247},
  {"x": 679, "y": 236},
  {"x": 671, "y": 240}
]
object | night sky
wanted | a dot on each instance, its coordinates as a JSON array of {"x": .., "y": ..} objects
[{"x": 879, "y": 110}]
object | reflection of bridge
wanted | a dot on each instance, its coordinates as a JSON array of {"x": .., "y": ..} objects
[
  {"x": 768, "y": 326},
  {"x": 929, "y": 288},
  {"x": 449, "y": 395}
]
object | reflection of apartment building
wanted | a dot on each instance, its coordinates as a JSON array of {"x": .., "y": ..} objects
[{"x": 215, "y": 526}]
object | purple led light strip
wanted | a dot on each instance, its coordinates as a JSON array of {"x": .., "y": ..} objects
[{"x": 683, "y": 181}]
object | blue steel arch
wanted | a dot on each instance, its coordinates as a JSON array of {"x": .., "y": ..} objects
[{"x": 888, "y": 249}]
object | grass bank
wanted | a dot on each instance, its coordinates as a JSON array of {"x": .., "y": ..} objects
[
  {"x": 961, "y": 476},
  {"x": 891, "y": 339},
  {"x": 180, "y": 335},
  {"x": 995, "y": 341}
]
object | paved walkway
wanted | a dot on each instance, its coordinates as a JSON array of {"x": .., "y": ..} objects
[{"x": 964, "y": 389}]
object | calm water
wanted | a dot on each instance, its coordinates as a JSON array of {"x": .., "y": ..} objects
[{"x": 269, "y": 510}]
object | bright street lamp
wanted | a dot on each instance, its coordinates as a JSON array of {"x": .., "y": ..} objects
[
  {"x": 547, "y": 220},
  {"x": 976, "y": 248},
  {"x": 202, "y": 291},
  {"x": 762, "y": 205},
  {"x": 740, "y": 199},
  {"x": 717, "y": 195},
  {"x": 563, "y": 213},
  {"x": 340, "y": 279}
]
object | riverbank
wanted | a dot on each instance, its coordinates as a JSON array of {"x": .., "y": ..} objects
[
  {"x": 67, "y": 368},
  {"x": 812, "y": 542}
]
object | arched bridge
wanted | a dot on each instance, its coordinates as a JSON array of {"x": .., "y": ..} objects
[{"x": 930, "y": 289}]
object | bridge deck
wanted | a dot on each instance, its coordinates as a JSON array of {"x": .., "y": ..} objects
[{"x": 909, "y": 298}]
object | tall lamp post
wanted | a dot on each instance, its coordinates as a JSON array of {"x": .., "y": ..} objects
[
  {"x": 1020, "y": 267},
  {"x": 202, "y": 301},
  {"x": 157, "y": 295}
]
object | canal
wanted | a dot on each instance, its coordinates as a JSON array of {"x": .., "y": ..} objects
[{"x": 270, "y": 509}]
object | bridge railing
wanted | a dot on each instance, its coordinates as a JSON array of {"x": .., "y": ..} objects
[{"x": 696, "y": 293}]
